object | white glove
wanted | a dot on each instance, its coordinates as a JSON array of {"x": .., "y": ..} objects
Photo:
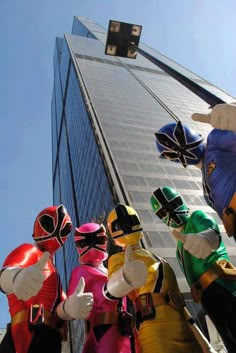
[
  {"x": 212, "y": 350},
  {"x": 24, "y": 282},
  {"x": 135, "y": 271},
  {"x": 222, "y": 116},
  {"x": 200, "y": 244},
  {"x": 78, "y": 305},
  {"x": 133, "y": 274}
]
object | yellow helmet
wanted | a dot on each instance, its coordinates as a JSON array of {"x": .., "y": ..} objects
[{"x": 124, "y": 225}]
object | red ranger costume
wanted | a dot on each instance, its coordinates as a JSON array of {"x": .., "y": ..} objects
[{"x": 33, "y": 287}]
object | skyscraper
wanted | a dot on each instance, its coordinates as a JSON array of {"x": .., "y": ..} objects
[{"x": 105, "y": 111}]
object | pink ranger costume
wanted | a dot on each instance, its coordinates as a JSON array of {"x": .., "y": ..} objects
[
  {"x": 28, "y": 333},
  {"x": 103, "y": 334}
]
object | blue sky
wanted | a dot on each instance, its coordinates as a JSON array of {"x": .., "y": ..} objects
[{"x": 198, "y": 34}]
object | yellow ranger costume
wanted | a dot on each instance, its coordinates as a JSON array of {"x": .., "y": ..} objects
[{"x": 159, "y": 305}]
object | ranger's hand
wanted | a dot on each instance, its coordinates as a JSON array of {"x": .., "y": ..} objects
[
  {"x": 222, "y": 116},
  {"x": 79, "y": 304},
  {"x": 28, "y": 281},
  {"x": 135, "y": 271},
  {"x": 199, "y": 245}
]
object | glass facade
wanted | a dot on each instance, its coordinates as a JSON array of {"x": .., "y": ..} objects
[{"x": 105, "y": 111}]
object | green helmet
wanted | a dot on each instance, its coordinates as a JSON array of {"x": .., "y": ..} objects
[{"x": 169, "y": 206}]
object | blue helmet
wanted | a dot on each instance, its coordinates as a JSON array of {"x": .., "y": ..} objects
[{"x": 179, "y": 143}]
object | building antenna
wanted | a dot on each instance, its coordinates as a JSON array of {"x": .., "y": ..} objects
[{"x": 123, "y": 40}]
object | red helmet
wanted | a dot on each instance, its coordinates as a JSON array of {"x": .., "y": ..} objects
[
  {"x": 91, "y": 242},
  {"x": 51, "y": 228}
]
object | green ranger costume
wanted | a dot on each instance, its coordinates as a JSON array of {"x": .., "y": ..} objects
[
  {"x": 193, "y": 267},
  {"x": 203, "y": 259}
]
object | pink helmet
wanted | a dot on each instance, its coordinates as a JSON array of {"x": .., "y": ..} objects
[{"x": 91, "y": 242}]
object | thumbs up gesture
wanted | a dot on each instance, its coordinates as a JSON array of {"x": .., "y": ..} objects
[
  {"x": 79, "y": 304},
  {"x": 135, "y": 271},
  {"x": 199, "y": 244},
  {"x": 28, "y": 281},
  {"x": 222, "y": 116}
]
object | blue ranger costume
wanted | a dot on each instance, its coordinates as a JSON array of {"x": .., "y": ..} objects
[{"x": 216, "y": 157}]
